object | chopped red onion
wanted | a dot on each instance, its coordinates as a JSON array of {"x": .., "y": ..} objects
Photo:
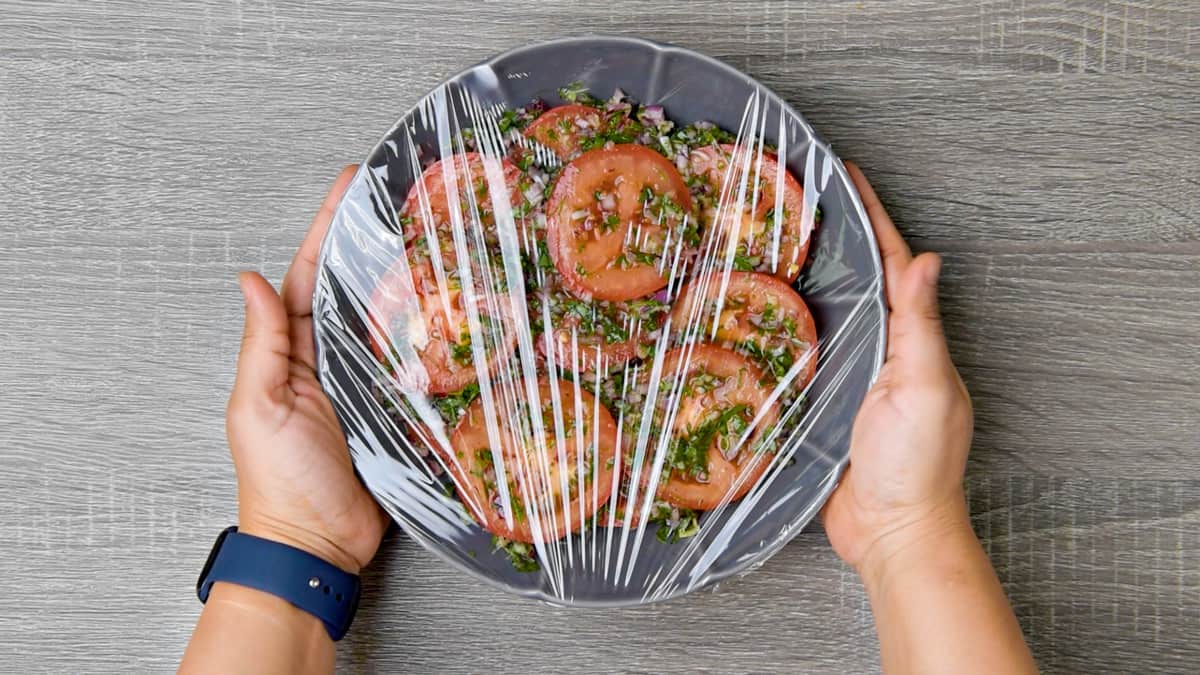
[
  {"x": 533, "y": 194},
  {"x": 617, "y": 102}
]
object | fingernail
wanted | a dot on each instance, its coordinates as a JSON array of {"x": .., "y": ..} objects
[{"x": 241, "y": 280}]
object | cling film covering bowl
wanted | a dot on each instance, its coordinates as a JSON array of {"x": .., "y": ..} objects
[{"x": 596, "y": 316}]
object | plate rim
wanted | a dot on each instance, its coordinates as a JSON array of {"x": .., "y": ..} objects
[{"x": 795, "y": 526}]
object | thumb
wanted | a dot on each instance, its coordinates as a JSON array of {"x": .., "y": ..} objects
[
  {"x": 264, "y": 360},
  {"x": 916, "y": 329}
]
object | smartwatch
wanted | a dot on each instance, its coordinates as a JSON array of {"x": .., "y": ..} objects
[{"x": 308, "y": 582}]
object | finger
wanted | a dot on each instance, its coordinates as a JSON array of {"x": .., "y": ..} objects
[
  {"x": 262, "y": 371},
  {"x": 916, "y": 324},
  {"x": 892, "y": 248},
  {"x": 301, "y": 277}
]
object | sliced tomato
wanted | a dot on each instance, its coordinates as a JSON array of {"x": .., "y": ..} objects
[
  {"x": 532, "y": 469},
  {"x": 760, "y": 317},
  {"x": 618, "y": 515},
  {"x": 754, "y": 221},
  {"x": 719, "y": 394},
  {"x": 611, "y": 218},
  {"x": 474, "y": 179},
  {"x": 563, "y": 129},
  {"x": 586, "y": 336},
  {"x": 410, "y": 305}
]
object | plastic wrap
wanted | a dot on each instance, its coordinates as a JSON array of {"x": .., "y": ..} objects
[{"x": 587, "y": 337}]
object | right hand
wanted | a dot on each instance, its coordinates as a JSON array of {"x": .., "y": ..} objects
[{"x": 908, "y": 449}]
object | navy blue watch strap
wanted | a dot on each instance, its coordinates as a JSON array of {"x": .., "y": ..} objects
[{"x": 308, "y": 582}]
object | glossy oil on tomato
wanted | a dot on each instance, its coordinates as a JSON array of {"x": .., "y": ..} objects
[
  {"x": 549, "y": 498},
  {"x": 438, "y": 330},
  {"x": 611, "y": 218},
  {"x": 562, "y": 129},
  {"x": 731, "y": 380},
  {"x": 760, "y": 317},
  {"x": 753, "y": 220},
  {"x": 585, "y": 336},
  {"x": 473, "y": 180}
]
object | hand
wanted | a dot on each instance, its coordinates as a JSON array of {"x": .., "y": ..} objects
[
  {"x": 296, "y": 483},
  {"x": 908, "y": 449}
]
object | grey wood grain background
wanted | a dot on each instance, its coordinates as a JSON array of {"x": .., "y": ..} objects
[{"x": 1050, "y": 149}]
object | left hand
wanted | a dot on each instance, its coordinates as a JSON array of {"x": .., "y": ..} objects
[{"x": 296, "y": 483}]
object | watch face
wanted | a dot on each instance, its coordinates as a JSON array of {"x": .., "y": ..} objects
[{"x": 201, "y": 591}]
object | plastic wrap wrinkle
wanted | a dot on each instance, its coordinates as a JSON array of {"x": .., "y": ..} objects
[{"x": 552, "y": 469}]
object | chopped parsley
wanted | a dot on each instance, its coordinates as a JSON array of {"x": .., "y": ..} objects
[
  {"x": 521, "y": 555},
  {"x": 593, "y": 319},
  {"x": 647, "y": 309},
  {"x": 789, "y": 326},
  {"x": 515, "y": 503},
  {"x": 461, "y": 351},
  {"x": 701, "y": 382},
  {"x": 634, "y": 256},
  {"x": 483, "y": 468},
  {"x": 688, "y": 454},
  {"x": 628, "y": 131},
  {"x": 776, "y": 362},
  {"x": 577, "y": 92},
  {"x": 702, "y": 133},
  {"x": 452, "y": 406},
  {"x": 509, "y": 119},
  {"x": 674, "y": 523},
  {"x": 743, "y": 261}
]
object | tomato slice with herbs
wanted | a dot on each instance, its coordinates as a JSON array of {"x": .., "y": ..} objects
[
  {"x": 574, "y": 128},
  {"x": 409, "y": 306},
  {"x": 755, "y": 222},
  {"x": 535, "y": 477},
  {"x": 617, "y": 514},
  {"x": 614, "y": 221},
  {"x": 760, "y": 317},
  {"x": 475, "y": 176},
  {"x": 563, "y": 129},
  {"x": 719, "y": 394},
  {"x": 586, "y": 336}
]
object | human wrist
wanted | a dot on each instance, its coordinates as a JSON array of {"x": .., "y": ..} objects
[
  {"x": 267, "y": 608},
  {"x": 299, "y": 538},
  {"x": 243, "y": 629},
  {"x": 916, "y": 540}
]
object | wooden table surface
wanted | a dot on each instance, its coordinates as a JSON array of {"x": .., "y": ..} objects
[{"x": 1051, "y": 151}]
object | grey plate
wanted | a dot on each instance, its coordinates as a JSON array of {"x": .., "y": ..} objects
[{"x": 842, "y": 286}]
